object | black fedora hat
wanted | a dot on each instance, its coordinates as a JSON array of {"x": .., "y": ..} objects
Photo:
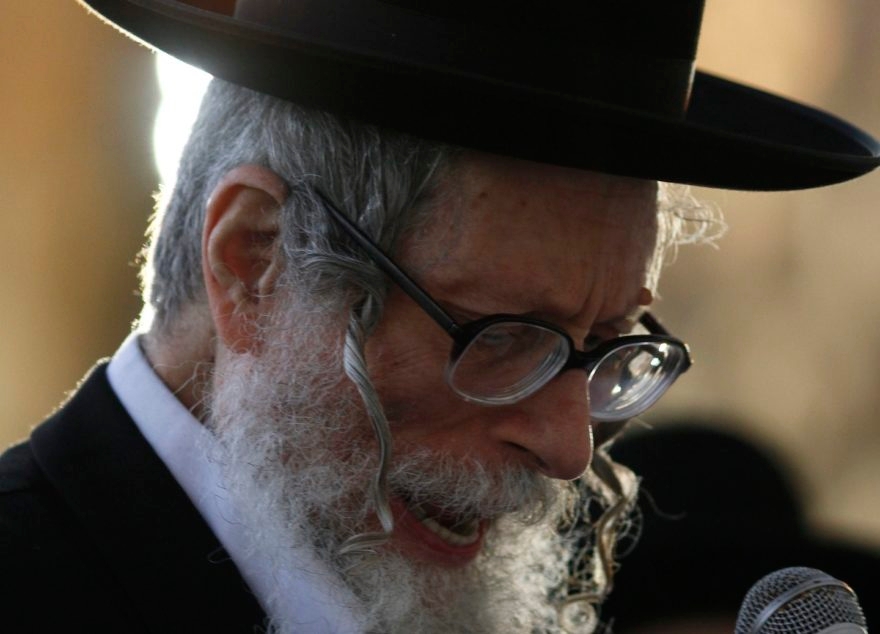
[{"x": 598, "y": 85}]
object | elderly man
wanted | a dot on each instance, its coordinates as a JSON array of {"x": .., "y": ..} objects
[{"x": 387, "y": 323}]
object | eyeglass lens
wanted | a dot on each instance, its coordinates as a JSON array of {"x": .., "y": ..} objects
[
  {"x": 630, "y": 379},
  {"x": 508, "y": 361}
]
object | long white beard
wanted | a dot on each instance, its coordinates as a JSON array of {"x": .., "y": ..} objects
[{"x": 298, "y": 459}]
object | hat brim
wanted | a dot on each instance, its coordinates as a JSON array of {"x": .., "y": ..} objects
[{"x": 733, "y": 136}]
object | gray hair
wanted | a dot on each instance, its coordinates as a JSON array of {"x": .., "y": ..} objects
[{"x": 382, "y": 175}]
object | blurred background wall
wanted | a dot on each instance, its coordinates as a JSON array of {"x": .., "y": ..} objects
[
  {"x": 76, "y": 179},
  {"x": 782, "y": 317}
]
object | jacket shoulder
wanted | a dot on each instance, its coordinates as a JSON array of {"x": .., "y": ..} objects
[
  {"x": 49, "y": 562},
  {"x": 30, "y": 509}
]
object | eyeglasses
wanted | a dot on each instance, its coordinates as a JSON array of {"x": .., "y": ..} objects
[{"x": 503, "y": 359}]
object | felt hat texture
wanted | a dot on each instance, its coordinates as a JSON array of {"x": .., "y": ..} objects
[{"x": 603, "y": 85}]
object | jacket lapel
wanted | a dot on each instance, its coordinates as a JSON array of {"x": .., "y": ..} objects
[{"x": 163, "y": 553}]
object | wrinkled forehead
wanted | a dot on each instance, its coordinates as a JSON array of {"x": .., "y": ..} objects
[
  {"x": 499, "y": 199},
  {"x": 491, "y": 190},
  {"x": 552, "y": 192},
  {"x": 550, "y": 230}
]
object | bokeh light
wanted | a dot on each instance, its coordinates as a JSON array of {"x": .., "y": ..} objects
[{"x": 181, "y": 87}]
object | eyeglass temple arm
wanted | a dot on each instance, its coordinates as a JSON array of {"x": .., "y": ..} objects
[
  {"x": 404, "y": 281},
  {"x": 652, "y": 325}
]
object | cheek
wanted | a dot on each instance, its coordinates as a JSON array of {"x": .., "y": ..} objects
[
  {"x": 406, "y": 375},
  {"x": 406, "y": 359},
  {"x": 406, "y": 355},
  {"x": 421, "y": 408}
]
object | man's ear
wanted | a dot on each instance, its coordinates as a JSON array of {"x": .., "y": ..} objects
[{"x": 240, "y": 254}]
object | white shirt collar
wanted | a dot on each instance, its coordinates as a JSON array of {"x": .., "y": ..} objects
[{"x": 178, "y": 439}]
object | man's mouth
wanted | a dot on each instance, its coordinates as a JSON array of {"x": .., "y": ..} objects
[
  {"x": 429, "y": 533},
  {"x": 454, "y": 530}
]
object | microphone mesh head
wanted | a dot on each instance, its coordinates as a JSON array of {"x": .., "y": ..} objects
[{"x": 828, "y": 602}]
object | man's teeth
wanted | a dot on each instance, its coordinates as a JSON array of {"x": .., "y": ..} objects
[
  {"x": 465, "y": 533},
  {"x": 448, "y": 536}
]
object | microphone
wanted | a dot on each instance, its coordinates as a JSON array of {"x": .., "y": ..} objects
[{"x": 800, "y": 600}]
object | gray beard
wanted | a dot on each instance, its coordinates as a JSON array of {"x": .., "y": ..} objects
[{"x": 297, "y": 457}]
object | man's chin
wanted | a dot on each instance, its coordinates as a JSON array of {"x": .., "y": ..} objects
[{"x": 426, "y": 540}]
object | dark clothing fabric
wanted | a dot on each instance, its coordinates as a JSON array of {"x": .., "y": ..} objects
[
  {"x": 719, "y": 511},
  {"x": 97, "y": 536}
]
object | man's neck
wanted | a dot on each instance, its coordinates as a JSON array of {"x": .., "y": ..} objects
[{"x": 182, "y": 355}]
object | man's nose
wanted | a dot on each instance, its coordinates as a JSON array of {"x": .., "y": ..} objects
[{"x": 550, "y": 430}]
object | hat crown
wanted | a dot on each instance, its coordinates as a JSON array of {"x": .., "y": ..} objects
[
  {"x": 666, "y": 29},
  {"x": 632, "y": 54}
]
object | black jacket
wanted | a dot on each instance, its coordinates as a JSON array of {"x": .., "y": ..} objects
[{"x": 97, "y": 536}]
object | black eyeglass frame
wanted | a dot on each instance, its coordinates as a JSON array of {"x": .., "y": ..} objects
[{"x": 463, "y": 334}]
